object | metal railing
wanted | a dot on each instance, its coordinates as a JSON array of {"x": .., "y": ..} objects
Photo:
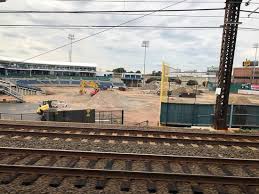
[
  {"x": 109, "y": 117},
  {"x": 101, "y": 117}
]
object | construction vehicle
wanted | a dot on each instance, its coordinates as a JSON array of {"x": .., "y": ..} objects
[
  {"x": 50, "y": 104},
  {"x": 89, "y": 84}
]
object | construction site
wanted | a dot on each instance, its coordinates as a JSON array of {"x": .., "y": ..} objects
[{"x": 70, "y": 127}]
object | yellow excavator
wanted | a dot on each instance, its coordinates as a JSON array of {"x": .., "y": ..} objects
[{"x": 90, "y": 84}]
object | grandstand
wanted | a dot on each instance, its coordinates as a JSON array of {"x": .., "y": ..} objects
[
  {"x": 34, "y": 74},
  {"x": 40, "y": 69}
]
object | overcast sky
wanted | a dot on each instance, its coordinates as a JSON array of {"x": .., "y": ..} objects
[{"x": 185, "y": 49}]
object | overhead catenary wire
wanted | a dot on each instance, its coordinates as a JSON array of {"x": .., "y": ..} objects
[
  {"x": 102, "y": 31},
  {"x": 43, "y": 26},
  {"x": 150, "y": 1},
  {"x": 105, "y": 11}
]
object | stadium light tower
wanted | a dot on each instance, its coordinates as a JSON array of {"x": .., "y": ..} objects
[
  {"x": 255, "y": 46},
  {"x": 145, "y": 44},
  {"x": 71, "y": 37}
]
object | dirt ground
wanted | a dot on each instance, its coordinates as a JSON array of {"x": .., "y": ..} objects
[
  {"x": 137, "y": 104},
  {"x": 137, "y": 107}
]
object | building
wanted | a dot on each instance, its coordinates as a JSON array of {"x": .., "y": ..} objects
[
  {"x": 132, "y": 79},
  {"x": 16, "y": 68},
  {"x": 104, "y": 74},
  {"x": 246, "y": 75}
]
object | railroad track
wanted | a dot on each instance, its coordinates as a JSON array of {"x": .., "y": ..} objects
[
  {"x": 137, "y": 135},
  {"x": 125, "y": 168}
]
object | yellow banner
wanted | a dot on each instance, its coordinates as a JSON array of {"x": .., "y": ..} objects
[{"x": 164, "y": 86}]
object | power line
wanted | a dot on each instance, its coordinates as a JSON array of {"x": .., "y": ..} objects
[
  {"x": 247, "y": 11},
  {"x": 102, "y": 31},
  {"x": 105, "y": 11},
  {"x": 105, "y": 26},
  {"x": 43, "y": 26},
  {"x": 149, "y": 1}
]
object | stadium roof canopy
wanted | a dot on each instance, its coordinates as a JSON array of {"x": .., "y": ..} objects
[{"x": 9, "y": 59}]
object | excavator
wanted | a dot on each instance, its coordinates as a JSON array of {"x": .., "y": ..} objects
[{"x": 89, "y": 84}]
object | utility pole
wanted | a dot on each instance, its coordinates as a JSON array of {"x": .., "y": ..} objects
[
  {"x": 256, "y": 46},
  {"x": 228, "y": 45},
  {"x": 71, "y": 37},
  {"x": 145, "y": 44}
]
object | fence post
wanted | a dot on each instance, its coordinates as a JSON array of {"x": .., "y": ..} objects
[
  {"x": 21, "y": 117},
  {"x": 231, "y": 116},
  {"x": 122, "y": 117},
  {"x": 99, "y": 117},
  {"x": 111, "y": 117},
  {"x": 0, "y": 115}
]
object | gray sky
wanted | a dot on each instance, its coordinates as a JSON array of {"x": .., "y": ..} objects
[{"x": 185, "y": 49}]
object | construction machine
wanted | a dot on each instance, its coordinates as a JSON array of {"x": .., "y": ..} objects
[
  {"x": 50, "y": 105},
  {"x": 89, "y": 84}
]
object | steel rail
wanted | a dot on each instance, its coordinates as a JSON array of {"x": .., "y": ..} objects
[
  {"x": 134, "y": 130},
  {"x": 129, "y": 138},
  {"x": 124, "y": 174},
  {"x": 129, "y": 156}
]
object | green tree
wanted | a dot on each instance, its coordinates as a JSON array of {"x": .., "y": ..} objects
[
  {"x": 138, "y": 71},
  {"x": 119, "y": 70}
]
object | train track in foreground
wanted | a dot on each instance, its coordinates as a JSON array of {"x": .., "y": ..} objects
[
  {"x": 125, "y": 167},
  {"x": 145, "y": 136}
]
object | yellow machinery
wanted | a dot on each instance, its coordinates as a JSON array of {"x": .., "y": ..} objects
[
  {"x": 44, "y": 107},
  {"x": 84, "y": 84}
]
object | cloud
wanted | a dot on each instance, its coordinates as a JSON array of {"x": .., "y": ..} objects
[{"x": 188, "y": 49}]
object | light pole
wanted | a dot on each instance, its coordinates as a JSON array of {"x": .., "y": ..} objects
[
  {"x": 145, "y": 44},
  {"x": 71, "y": 37},
  {"x": 256, "y": 46}
]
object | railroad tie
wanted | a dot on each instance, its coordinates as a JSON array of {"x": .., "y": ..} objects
[
  {"x": 16, "y": 159},
  {"x": 8, "y": 178},
  {"x": 109, "y": 164},
  {"x": 91, "y": 164},
  {"x": 221, "y": 189},
  {"x": 128, "y": 165},
  {"x": 151, "y": 187},
  {"x": 248, "y": 189},
  {"x": 148, "y": 166},
  {"x": 80, "y": 182},
  {"x": 196, "y": 189},
  {"x": 125, "y": 186},
  {"x": 225, "y": 169},
  {"x": 204, "y": 168},
  {"x": 34, "y": 160},
  {"x": 248, "y": 171},
  {"x": 30, "y": 179},
  {"x": 185, "y": 168},
  {"x": 56, "y": 181},
  {"x": 172, "y": 188},
  {"x": 167, "y": 167},
  {"x": 100, "y": 184}
]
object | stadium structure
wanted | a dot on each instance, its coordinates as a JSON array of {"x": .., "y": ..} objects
[
  {"x": 15, "y": 68},
  {"x": 18, "y": 78}
]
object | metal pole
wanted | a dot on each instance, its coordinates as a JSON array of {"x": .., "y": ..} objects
[
  {"x": 145, "y": 60},
  {"x": 228, "y": 45},
  {"x": 71, "y": 37},
  {"x": 256, "y": 47},
  {"x": 231, "y": 115},
  {"x": 122, "y": 117}
]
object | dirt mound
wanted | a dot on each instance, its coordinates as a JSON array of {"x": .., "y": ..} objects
[
  {"x": 180, "y": 90},
  {"x": 154, "y": 85}
]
